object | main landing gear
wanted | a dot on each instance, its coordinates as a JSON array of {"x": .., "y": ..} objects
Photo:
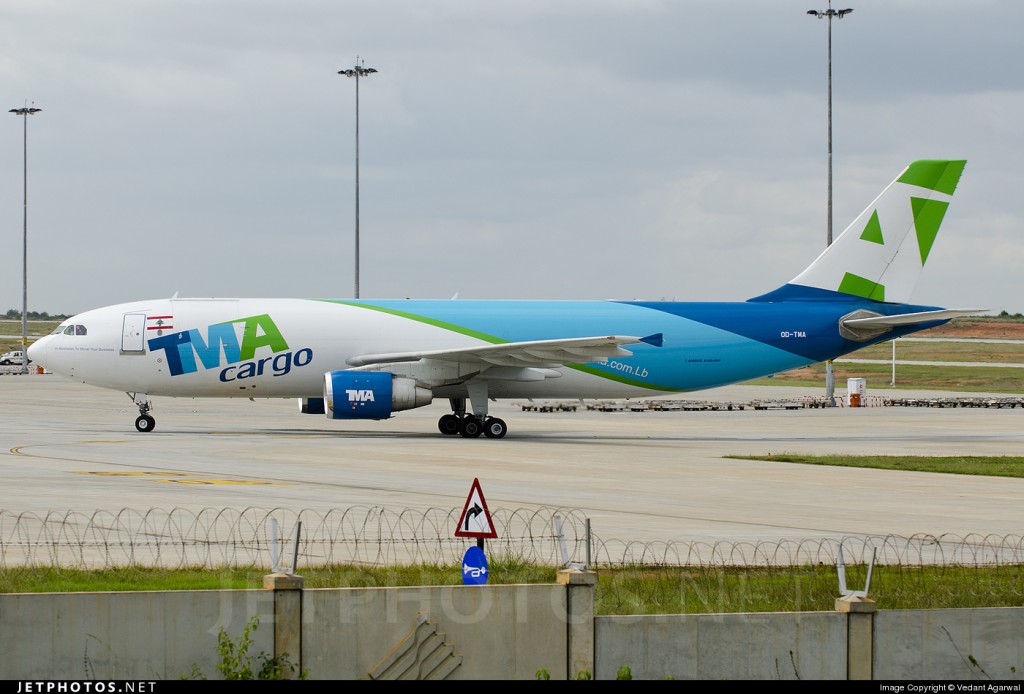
[
  {"x": 145, "y": 421},
  {"x": 470, "y": 426}
]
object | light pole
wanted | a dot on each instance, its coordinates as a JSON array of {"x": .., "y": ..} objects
[
  {"x": 892, "y": 383},
  {"x": 26, "y": 112},
  {"x": 360, "y": 70},
  {"x": 830, "y": 383}
]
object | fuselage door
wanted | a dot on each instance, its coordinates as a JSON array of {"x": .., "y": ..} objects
[{"x": 133, "y": 334}]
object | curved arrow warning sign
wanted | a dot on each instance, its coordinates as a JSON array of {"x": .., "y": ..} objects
[{"x": 475, "y": 520}]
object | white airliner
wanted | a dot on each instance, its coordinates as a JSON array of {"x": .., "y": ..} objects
[{"x": 366, "y": 359}]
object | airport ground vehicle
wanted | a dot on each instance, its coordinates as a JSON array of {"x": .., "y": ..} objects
[{"x": 16, "y": 357}]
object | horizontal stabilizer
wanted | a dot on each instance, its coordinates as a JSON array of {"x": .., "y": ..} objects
[
  {"x": 909, "y": 318},
  {"x": 655, "y": 340}
]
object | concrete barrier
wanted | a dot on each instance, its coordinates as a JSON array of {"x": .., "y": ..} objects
[{"x": 508, "y": 632}]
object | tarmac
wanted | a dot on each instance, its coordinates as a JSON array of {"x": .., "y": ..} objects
[{"x": 648, "y": 477}]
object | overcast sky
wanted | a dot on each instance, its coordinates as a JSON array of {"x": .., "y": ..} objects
[{"x": 569, "y": 149}]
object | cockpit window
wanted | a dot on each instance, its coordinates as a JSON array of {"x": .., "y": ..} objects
[{"x": 71, "y": 330}]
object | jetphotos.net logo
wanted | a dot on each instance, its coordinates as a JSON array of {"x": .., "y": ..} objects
[{"x": 236, "y": 343}]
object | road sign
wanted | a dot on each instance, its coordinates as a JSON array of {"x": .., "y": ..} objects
[
  {"x": 475, "y": 520},
  {"x": 474, "y": 567}
]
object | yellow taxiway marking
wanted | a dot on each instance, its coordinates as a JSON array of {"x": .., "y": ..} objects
[
  {"x": 243, "y": 482},
  {"x": 132, "y": 474},
  {"x": 162, "y": 477}
]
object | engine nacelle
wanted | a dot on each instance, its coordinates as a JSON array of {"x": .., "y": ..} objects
[{"x": 370, "y": 394}]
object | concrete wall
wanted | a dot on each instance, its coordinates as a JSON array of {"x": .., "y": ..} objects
[
  {"x": 491, "y": 632},
  {"x": 483, "y": 632},
  {"x": 756, "y": 646},
  {"x": 137, "y": 635},
  {"x": 955, "y": 644}
]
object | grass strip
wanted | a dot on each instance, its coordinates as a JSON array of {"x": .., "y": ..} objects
[{"x": 993, "y": 466}]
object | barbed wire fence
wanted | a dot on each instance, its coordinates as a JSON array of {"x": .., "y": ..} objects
[{"x": 379, "y": 536}]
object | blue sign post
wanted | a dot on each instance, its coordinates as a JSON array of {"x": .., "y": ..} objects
[{"x": 474, "y": 567}]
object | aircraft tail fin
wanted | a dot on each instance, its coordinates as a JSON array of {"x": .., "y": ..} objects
[{"x": 880, "y": 255}]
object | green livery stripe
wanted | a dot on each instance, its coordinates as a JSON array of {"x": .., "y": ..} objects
[
  {"x": 928, "y": 216},
  {"x": 934, "y": 175},
  {"x": 621, "y": 379},
  {"x": 873, "y": 231},
  {"x": 861, "y": 286},
  {"x": 497, "y": 341},
  {"x": 424, "y": 319}
]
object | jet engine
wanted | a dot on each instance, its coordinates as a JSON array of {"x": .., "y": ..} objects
[{"x": 370, "y": 394}]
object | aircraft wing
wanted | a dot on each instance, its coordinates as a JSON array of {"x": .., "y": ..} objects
[{"x": 575, "y": 350}]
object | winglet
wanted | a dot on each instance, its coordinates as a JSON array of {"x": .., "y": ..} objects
[{"x": 656, "y": 340}]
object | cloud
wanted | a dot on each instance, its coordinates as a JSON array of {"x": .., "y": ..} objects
[{"x": 507, "y": 149}]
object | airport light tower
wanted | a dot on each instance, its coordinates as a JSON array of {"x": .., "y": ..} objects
[
  {"x": 830, "y": 383},
  {"x": 360, "y": 70},
  {"x": 26, "y": 112}
]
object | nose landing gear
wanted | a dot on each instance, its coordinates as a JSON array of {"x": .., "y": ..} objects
[{"x": 145, "y": 421}]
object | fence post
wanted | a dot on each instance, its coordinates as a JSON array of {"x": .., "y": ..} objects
[
  {"x": 287, "y": 617},
  {"x": 860, "y": 623},
  {"x": 579, "y": 603}
]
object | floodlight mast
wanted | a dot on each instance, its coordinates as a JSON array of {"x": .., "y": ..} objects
[
  {"x": 360, "y": 70},
  {"x": 830, "y": 384},
  {"x": 26, "y": 112}
]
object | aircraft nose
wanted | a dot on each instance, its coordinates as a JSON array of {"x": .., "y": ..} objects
[{"x": 37, "y": 350}]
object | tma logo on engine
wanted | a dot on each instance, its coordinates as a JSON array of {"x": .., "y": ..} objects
[{"x": 236, "y": 342}]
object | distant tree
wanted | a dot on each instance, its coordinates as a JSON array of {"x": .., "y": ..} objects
[{"x": 15, "y": 314}]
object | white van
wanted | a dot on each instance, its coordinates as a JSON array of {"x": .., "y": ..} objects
[{"x": 15, "y": 357}]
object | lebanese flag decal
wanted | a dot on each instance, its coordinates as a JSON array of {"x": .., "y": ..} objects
[{"x": 160, "y": 323}]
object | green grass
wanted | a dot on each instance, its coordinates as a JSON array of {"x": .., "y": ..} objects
[
  {"x": 136, "y": 578},
  {"x": 36, "y": 329},
  {"x": 717, "y": 589},
  {"x": 1001, "y": 352},
  {"x": 57, "y": 580},
  {"x": 993, "y": 466},
  {"x": 965, "y": 379},
  {"x": 626, "y": 590}
]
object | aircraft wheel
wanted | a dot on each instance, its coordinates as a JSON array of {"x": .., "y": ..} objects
[
  {"x": 495, "y": 428},
  {"x": 470, "y": 427},
  {"x": 145, "y": 423},
  {"x": 448, "y": 425}
]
